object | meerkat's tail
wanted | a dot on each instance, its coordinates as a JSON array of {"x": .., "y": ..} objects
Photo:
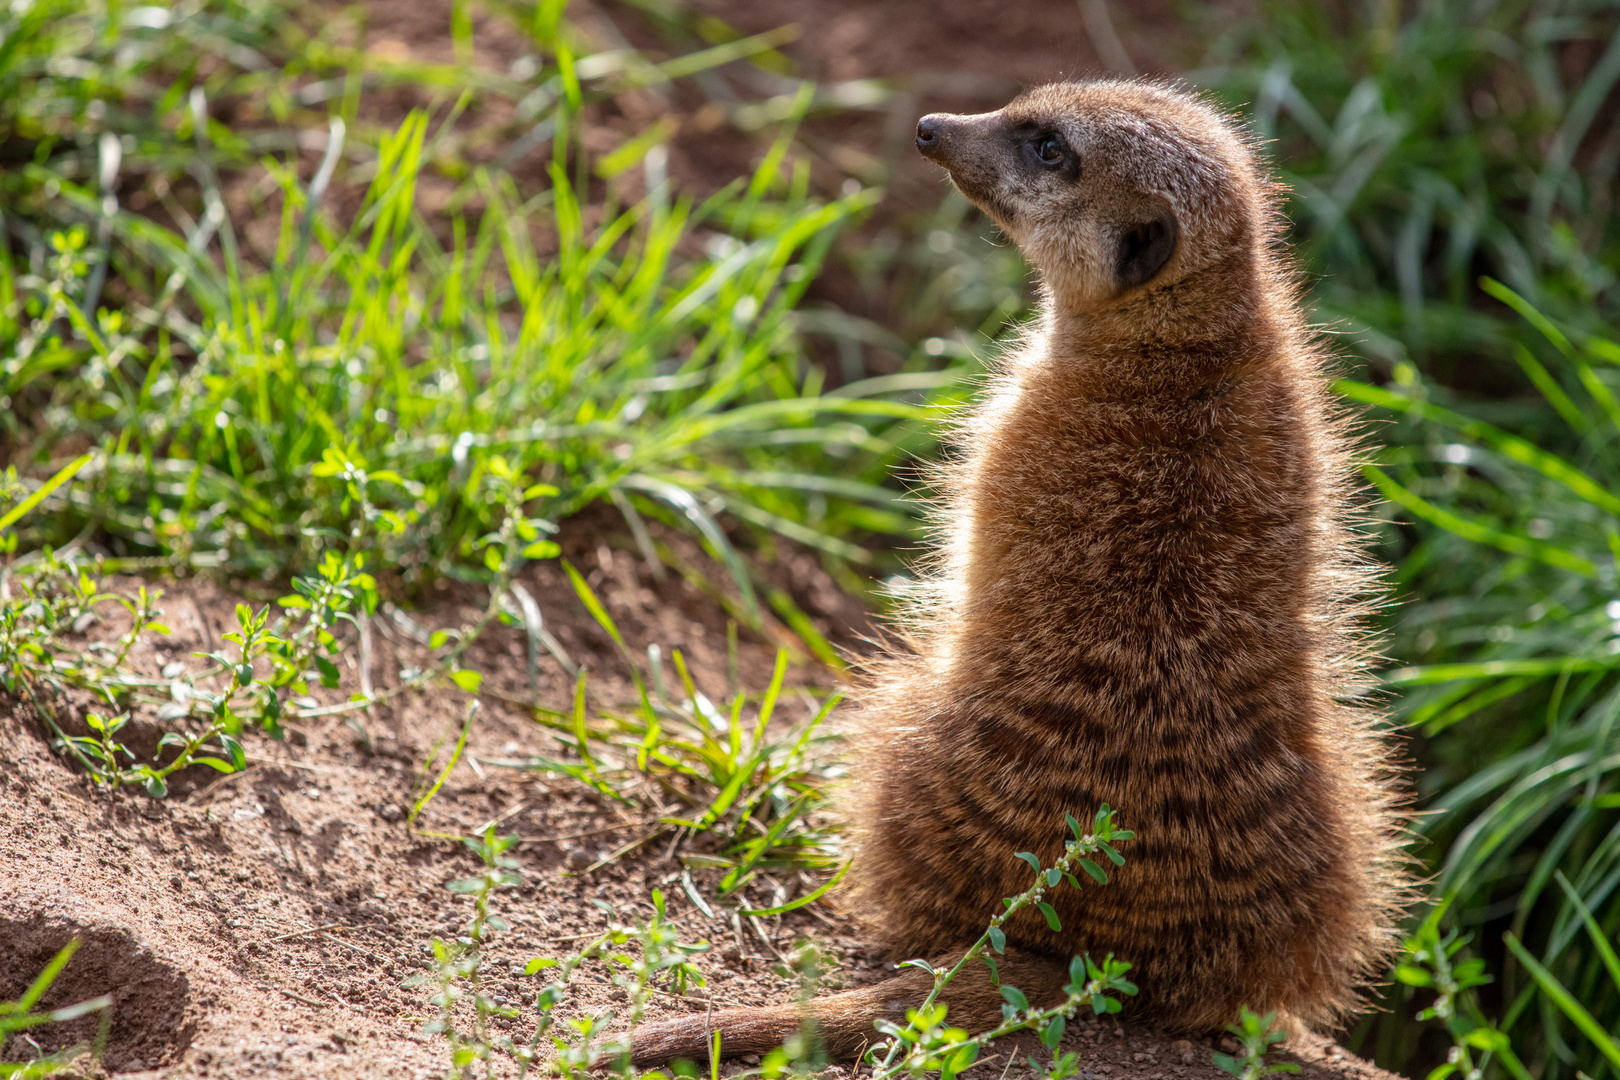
[{"x": 843, "y": 1021}]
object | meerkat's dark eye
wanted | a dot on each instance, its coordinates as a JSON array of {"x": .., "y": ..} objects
[{"x": 1050, "y": 149}]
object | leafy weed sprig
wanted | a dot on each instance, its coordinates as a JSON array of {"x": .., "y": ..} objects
[
  {"x": 458, "y": 964},
  {"x": 924, "y": 1045},
  {"x": 1431, "y": 962},
  {"x": 660, "y": 959},
  {"x": 1256, "y": 1036}
]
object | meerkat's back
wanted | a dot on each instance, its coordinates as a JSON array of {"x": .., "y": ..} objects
[{"x": 1146, "y": 595}]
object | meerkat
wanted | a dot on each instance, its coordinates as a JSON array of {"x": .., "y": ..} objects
[{"x": 1148, "y": 593}]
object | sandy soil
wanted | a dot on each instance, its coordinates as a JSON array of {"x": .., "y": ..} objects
[{"x": 265, "y": 921}]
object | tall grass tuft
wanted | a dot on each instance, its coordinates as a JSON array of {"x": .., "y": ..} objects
[
  {"x": 1511, "y": 630},
  {"x": 240, "y": 404},
  {"x": 1427, "y": 144}
]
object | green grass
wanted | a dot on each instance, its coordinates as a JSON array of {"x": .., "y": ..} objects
[
  {"x": 644, "y": 355},
  {"x": 1429, "y": 145},
  {"x": 373, "y": 354},
  {"x": 1510, "y": 687},
  {"x": 23, "y": 1014}
]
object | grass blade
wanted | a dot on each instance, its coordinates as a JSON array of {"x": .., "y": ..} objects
[{"x": 1555, "y": 992}]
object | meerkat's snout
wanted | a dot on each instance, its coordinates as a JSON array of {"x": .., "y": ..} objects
[
  {"x": 931, "y": 135},
  {"x": 954, "y": 141},
  {"x": 928, "y": 135},
  {"x": 970, "y": 149}
]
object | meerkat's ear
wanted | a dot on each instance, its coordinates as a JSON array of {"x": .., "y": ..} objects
[{"x": 1144, "y": 247}]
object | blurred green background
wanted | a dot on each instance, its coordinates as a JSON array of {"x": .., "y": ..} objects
[{"x": 676, "y": 258}]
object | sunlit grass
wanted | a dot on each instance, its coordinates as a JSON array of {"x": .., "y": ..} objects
[
  {"x": 648, "y": 357},
  {"x": 1512, "y": 631}
]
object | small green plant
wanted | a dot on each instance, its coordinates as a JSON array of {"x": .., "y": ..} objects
[
  {"x": 641, "y": 959},
  {"x": 925, "y": 1045},
  {"x": 749, "y": 793},
  {"x": 637, "y": 960},
  {"x": 22, "y": 1014},
  {"x": 266, "y": 667},
  {"x": 1256, "y": 1035},
  {"x": 458, "y": 963},
  {"x": 1431, "y": 961},
  {"x": 296, "y": 651}
]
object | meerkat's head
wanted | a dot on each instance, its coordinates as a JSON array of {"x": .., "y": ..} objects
[{"x": 1112, "y": 189}]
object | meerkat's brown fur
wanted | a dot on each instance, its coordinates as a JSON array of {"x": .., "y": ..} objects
[{"x": 1147, "y": 594}]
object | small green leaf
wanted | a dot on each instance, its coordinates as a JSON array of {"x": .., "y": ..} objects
[
  {"x": 1488, "y": 1039},
  {"x": 1053, "y": 876},
  {"x": 467, "y": 679},
  {"x": 583, "y": 590},
  {"x": 1031, "y": 859},
  {"x": 539, "y": 963},
  {"x": 438, "y": 638},
  {"x": 155, "y": 787},
  {"x": 1051, "y": 915},
  {"x": 998, "y": 939},
  {"x": 1053, "y": 1035},
  {"x": 542, "y": 549},
  {"x": 1228, "y": 1063},
  {"x": 234, "y": 749},
  {"x": 1015, "y": 997},
  {"x": 1095, "y": 871},
  {"x": 1412, "y": 975},
  {"x": 328, "y": 671}
]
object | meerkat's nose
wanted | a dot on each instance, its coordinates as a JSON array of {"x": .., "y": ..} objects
[{"x": 930, "y": 134}]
